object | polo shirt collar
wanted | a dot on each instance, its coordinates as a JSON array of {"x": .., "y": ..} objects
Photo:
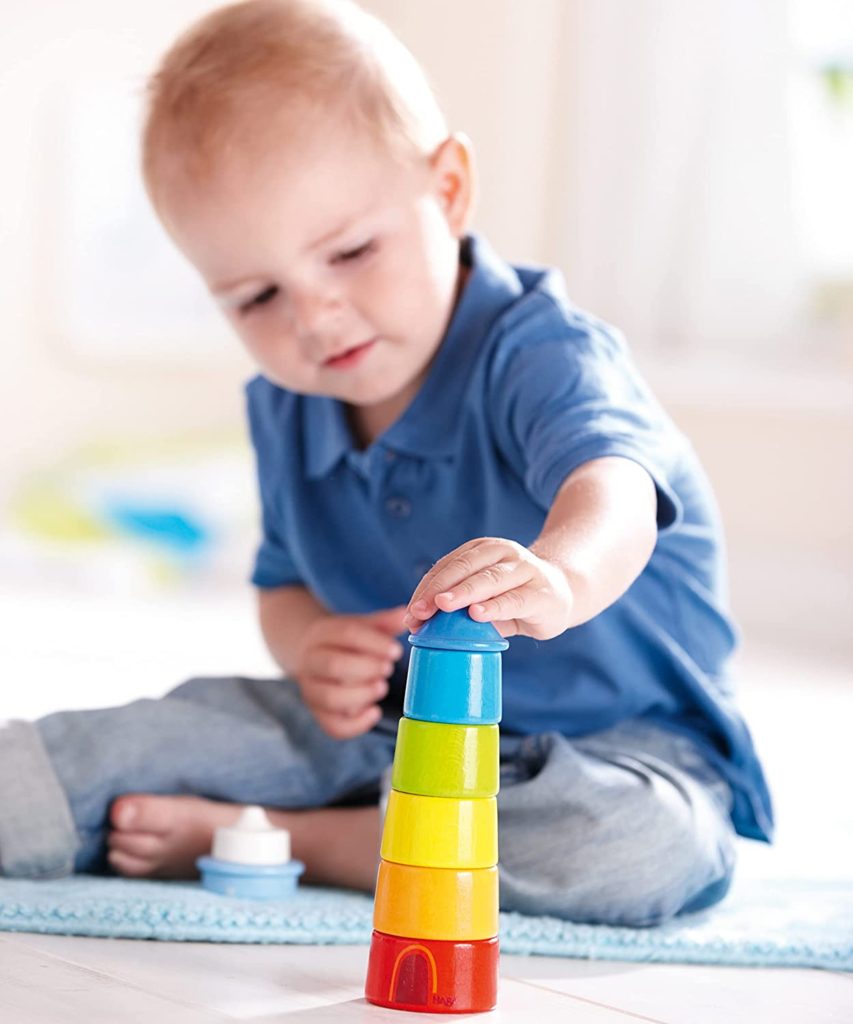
[
  {"x": 326, "y": 433},
  {"x": 428, "y": 427}
]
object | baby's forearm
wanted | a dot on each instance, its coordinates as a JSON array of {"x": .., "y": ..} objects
[
  {"x": 601, "y": 531},
  {"x": 285, "y": 614}
]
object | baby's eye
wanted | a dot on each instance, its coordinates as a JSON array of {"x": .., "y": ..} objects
[
  {"x": 261, "y": 299},
  {"x": 354, "y": 254}
]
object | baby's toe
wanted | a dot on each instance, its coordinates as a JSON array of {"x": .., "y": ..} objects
[
  {"x": 141, "y": 812},
  {"x": 144, "y": 845},
  {"x": 130, "y": 866}
]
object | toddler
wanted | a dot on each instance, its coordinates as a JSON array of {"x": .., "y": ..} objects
[{"x": 434, "y": 428}]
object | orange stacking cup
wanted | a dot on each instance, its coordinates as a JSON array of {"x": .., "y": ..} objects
[{"x": 436, "y": 903}]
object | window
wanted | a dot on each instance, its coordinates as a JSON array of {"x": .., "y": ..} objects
[{"x": 821, "y": 109}]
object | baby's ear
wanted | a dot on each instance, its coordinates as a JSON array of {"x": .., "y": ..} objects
[{"x": 455, "y": 175}]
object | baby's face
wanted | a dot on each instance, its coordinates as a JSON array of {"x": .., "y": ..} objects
[{"x": 336, "y": 265}]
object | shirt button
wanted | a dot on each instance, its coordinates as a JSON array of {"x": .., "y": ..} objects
[{"x": 398, "y": 507}]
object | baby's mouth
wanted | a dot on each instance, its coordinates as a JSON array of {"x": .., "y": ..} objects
[{"x": 349, "y": 357}]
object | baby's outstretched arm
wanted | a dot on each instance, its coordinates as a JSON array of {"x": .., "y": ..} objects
[{"x": 599, "y": 534}]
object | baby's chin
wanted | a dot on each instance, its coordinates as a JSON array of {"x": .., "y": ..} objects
[
  {"x": 370, "y": 386},
  {"x": 377, "y": 381},
  {"x": 369, "y": 389}
]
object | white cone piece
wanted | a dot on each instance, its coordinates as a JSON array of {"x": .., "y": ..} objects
[{"x": 253, "y": 839}]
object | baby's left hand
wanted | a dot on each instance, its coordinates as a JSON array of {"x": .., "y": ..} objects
[{"x": 499, "y": 581}]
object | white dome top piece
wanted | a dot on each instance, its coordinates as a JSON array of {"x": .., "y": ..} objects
[{"x": 252, "y": 839}]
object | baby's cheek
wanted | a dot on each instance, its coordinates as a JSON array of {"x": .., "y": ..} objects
[
  {"x": 281, "y": 359},
  {"x": 390, "y": 303}
]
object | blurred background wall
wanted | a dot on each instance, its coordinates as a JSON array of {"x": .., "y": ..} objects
[{"x": 687, "y": 165}]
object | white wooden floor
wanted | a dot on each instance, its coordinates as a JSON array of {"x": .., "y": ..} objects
[
  {"x": 85, "y": 654},
  {"x": 55, "y": 979}
]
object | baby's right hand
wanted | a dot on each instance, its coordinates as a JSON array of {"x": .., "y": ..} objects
[{"x": 343, "y": 667}]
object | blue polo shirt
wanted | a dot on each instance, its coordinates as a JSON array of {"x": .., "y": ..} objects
[{"x": 524, "y": 389}]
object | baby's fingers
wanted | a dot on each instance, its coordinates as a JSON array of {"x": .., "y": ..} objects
[
  {"x": 450, "y": 571},
  {"x": 369, "y": 634},
  {"x": 345, "y": 727},
  {"x": 491, "y": 582},
  {"x": 523, "y": 603},
  {"x": 348, "y": 667},
  {"x": 330, "y": 696}
]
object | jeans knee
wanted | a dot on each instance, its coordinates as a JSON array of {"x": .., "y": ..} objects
[
  {"x": 635, "y": 880},
  {"x": 626, "y": 898}
]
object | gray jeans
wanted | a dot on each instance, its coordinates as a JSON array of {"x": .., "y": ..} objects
[{"x": 627, "y": 826}]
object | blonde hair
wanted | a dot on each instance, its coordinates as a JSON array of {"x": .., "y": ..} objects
[{"x": 221, "y": 86}]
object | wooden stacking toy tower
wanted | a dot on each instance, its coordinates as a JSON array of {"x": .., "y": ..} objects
[{"x": 435, "y": 938}]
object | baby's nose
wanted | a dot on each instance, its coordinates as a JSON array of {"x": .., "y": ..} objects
[{"x": 315, "y": 315}]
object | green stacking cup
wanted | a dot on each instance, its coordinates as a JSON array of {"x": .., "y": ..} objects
[{"x": 441, "y": 759}]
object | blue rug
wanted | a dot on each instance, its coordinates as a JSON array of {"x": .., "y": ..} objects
[{"x": 782, "y": 923}]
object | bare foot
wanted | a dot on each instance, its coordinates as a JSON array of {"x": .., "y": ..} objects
[{"x": 161, "y": 836}]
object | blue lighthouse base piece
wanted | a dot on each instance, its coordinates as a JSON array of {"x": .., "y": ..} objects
[{"x": 250, "y": 881}]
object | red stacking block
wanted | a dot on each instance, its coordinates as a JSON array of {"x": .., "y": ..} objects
[{"x": 432, "y": 975}]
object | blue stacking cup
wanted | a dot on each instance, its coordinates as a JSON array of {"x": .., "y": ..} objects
[{"x": 455, "y": 671}]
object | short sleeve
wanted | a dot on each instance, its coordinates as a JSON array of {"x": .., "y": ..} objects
[
  {"x": 560, "y": 403},
  {"x": 274, "y": 564}
]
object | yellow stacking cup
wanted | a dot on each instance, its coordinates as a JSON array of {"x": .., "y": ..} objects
[
  {"x": 438, "y": 832},
  {"x": 436, "y": 903},
  {"x": 439, "y": 759}
]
